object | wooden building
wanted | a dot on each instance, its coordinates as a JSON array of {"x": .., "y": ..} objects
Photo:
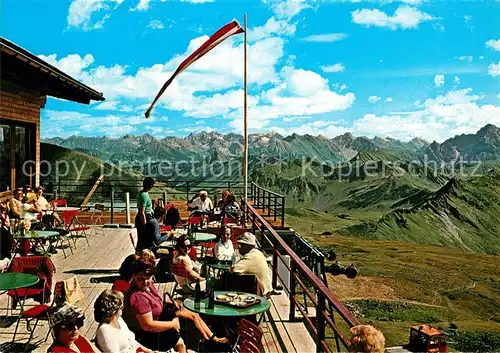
[{"x": 25, "y": 83}]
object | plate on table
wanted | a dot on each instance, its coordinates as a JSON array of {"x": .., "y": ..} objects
[
  {"x": 249, "y": 299},
  {"x": 222, "y": 298},
  {"x": 232, "y": 295}
]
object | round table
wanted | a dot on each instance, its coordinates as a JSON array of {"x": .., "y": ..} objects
[
  {"x": 38, "y": 236},
  {"x": 199, "y": 237},
  {"x": 64, "y": 208},
  {"x": 224, "y": 310},
  {"x": 15, "y": 280},
  {"x": 223, "y": 266}
]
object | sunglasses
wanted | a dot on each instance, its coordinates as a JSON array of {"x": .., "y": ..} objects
[{"x": 72, "y": 325}]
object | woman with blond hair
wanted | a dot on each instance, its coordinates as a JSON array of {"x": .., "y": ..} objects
[
  {"x": 366, "y": 339},
  {"x": 113, "y": 334}
]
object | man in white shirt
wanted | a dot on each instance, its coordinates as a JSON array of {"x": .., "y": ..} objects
[
  {"x": 202, "y": 203},
  {"x": 224, "y": 249},
  {"x": 254, "y": 262}
]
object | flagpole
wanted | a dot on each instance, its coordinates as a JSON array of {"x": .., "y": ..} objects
[{"x": 245, "y": 109}]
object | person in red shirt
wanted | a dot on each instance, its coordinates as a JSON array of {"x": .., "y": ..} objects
[
  {"x": 66, "y": 322},
  {"x": 144, "y": 315}
]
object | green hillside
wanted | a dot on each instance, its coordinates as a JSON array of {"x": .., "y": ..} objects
[{"x": 462, "y": 213}]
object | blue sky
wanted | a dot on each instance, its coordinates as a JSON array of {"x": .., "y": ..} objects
[{"x": 405, "y": 69}]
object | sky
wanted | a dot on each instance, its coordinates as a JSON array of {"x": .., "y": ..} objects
[{"x": 387, "y": 68}]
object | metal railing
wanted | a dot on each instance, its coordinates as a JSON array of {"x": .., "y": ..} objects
[
  {"x": 328, "y": 306},
  {"x": 271, "y": 203},
  {"x": 75, "y": 190}
]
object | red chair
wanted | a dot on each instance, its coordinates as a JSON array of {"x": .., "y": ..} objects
[
  {"x": 164, "y": 229},
  {"x": 75, "y": 228},
  {"x": 40, "y": 312},
  {"x": 60, "y": 203},
  {"x": 177, "y": 270},
  {"x": 121, "y": 285},
  {"x": 195, "y": 220},
  {"x": 249, "y": 337},
  {"x": 43, "y": 268},
  {"x": 227, "y": 220}
]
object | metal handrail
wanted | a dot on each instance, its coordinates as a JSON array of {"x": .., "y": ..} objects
[
  {"x": 324, "y": 298},
  {"x": 271, "y": 202}
]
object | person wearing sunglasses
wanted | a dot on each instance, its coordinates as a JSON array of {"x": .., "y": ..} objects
[{"x": 65, "y": 322}]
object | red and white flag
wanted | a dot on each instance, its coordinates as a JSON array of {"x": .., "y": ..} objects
[{"x": 218, "y": 37}]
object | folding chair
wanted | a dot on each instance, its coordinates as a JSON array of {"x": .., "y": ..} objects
[
  {"x": 132, "y": 240},
  {"x": 40, "y": 312},
  {"x": 75, "y": 228},
  {"x": 180, "y": 271},
  {"x": 94, "y": 220},
  {"x": 249, "y": 338}
]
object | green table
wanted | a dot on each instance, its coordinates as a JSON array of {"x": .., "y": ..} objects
[
  {"x": 223, "y": 266},
  {"x": 199, "y": 237},
  {"x": 38, "y": 237},
  {"x": 15, "y": 280},
  {"x": 224, "y": 310}
]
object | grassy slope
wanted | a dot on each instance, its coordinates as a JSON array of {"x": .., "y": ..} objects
[{"x": 459, "y": 287}]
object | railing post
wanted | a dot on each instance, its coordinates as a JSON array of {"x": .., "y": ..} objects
[
  {"x": 275, "y": 198},
  {"x": 164, "y": 199},
  {"x": 127, "y": 207},
  {"x": 275, "y": 267},
  {"x": 228, "y": 186},
  {"x": 187, "y": 191},
  {"x": 111, "y": 209},
  {"x": 58, "y": 188},
  {"x": 268, "y": 204},
  {"x": 320, "y": 323},
  {"x": 291, "y": 295},
  {"x": 282, "y": 212},
  {"x": 257, "y": 199}
]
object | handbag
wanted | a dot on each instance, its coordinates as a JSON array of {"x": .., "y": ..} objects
[{"x": 72, "y": 290}]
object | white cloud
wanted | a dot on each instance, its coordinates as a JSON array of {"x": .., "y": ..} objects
[
  {"x": 404, "y": 17},
  {"x": 325, "y": 37},
  {"x": 271, "y": 27},
  {"x": 373, "y": 99},
  {"x": 494, "y": 69},
  {"x": 338, "y": 67},
  {"x": 301, "y": 92},
  {"x": 389, "y": 100},
  {"x": 114, "y": 105},
  {"x": 445, "y": 116},
  {"x": 287, "y": 8},
  {"x": 439, "y": 80},
  {"x": 493, "y": 44},
  {"x": 195, "y": 1},
  {"x": 81, "y": 13},
  {"x": 468, "y": 58},
  {"x": 142, "y": 5},
  {"x": 456, "y": 80},
  {"x": 72, "y": 64},
  {"x": 156, "y": 24}
]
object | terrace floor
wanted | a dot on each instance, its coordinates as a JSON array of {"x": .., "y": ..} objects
[{"x": 96, "y": 268}]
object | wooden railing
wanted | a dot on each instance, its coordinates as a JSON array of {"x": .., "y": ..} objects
[
  {"x": 272, "y": 204},
  {"x": 330, "y": 312}
]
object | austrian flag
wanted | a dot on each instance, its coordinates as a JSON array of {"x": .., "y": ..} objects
[{"x": 218, "y": 37}]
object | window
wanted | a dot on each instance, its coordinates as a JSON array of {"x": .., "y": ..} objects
[{"x": 17, "y": 146}]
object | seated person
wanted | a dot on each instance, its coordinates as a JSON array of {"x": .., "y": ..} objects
[
  {"x": 254, "y": 262},
  {"x": 123, "y": 283},
  {"x": 65, "y": 322},
  {"x": 224, "y": 248},
  {"x": 113, "y": 334},
  {"x": 150, "y": 237},
  {"x": 16, "y": 207},
  {"x": 143, "y": 312},
  {"x": 189, "y": 267},
  {"x": 150, "y": 311},
  {"x": 231, "y": 208},
  {"x": 201, "y": 204},
  {"x": 366, "y": 339},
  {"x": 30, "y": 204},
  {"x": 222, "y": 200},
  {"x": 27, "y": 192},
  {"x": 4, "y": 214},
  {"x": 172, "y": 217}
]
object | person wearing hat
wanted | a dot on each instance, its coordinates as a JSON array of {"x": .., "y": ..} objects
[
  {"x": 253, "y": 262},
  {"x": 65, "y": 322},
  {"x": 202, "y": 203},
  {"x": 16, "y": 204}
]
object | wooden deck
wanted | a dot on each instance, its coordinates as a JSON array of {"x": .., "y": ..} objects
[{"x": 95, "y": 268}]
